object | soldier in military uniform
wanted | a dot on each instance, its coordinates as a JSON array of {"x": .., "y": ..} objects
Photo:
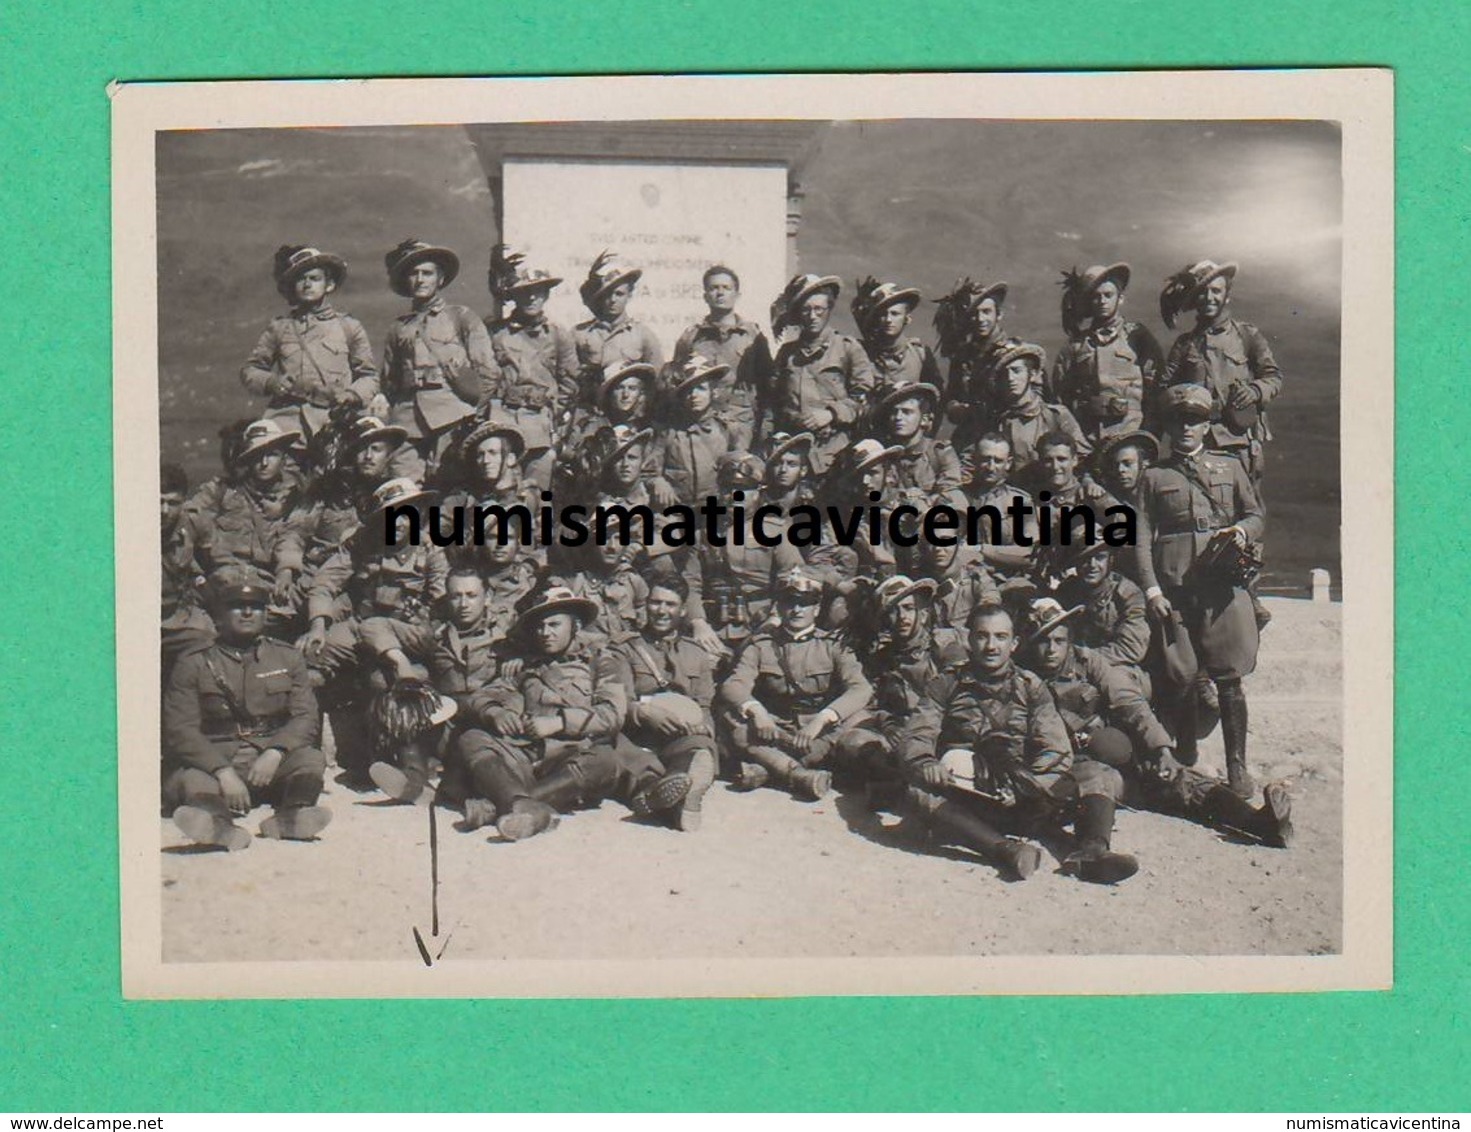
[
  {"x": 927, "y": 470},
  {"x": 1108, "y": 372},
  {"x": 793, "y": 692},
  {"x": 1112, "y": 613},
  {"x": 624, "y": 397},
  {"x": 1059, "y": 485},
  {"x": 727, "y": 339},
  {"x": 1000, "y": 729},
  {"x": 882, "y": 312},
  {"x": 438, "y": 362},
  {"x": 314, "y": 358},
  {"x": 861, "y": 474},
  {"x": 962, "y": 580},
  {"x": 821, "y": 380},
  {"x": 608, "y": 578},
  {"x": 1111, "y": 722},
  {"x": 968, "y": 321},
  {"x": 1229, "y": 358},
  {"x": 986, "y": 470},
  {"x": 184, "y": 623},
  {"x": 1198, "y": 514},
  {"x": 1023, "y": 417},
  {"x": 544, "y": 738},
  {"x": 687, "y": 450},
  {"x": 611, "y": 339},
  {"x": 240, "y": 729},
  {"x": 672, "y": 693},
  {"x": 787, "y": 481},
  {"x": 490, "y": 454},
  {"x": 537, "y": 359}
]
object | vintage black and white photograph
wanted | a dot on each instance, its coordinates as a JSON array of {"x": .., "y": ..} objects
[{"x": 851, "y": 534}]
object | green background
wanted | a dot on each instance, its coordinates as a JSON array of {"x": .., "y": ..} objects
[{"x": 69, "y": 1042}]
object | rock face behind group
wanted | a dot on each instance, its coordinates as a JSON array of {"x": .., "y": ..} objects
[{"x": 770, "y": 877}]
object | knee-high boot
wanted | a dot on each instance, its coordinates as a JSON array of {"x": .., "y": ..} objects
[
  {"x": 1093, "y": 860},
  {"x": 1233, "y": 731},
  {"x": 953, "y": 821},
  {"x": 1270, "y": 823}
]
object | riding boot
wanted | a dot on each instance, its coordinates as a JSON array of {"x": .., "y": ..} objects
[
  {"x": 1233, "y": 731},
  {"x": 1092, "y": 860},
  {"x": 1016, "y": 858},
  {"x": 1270, "y": 823},
  {"x": 1187, "y": 750},
  {"x": 801, "y": 781}
]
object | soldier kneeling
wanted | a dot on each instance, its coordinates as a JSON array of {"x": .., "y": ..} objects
[{"x": 240, "y": 727}]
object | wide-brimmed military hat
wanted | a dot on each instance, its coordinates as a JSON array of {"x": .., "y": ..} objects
[
  {"x": 798, "y": 290},
  {"x": 553, "y": 599},
  {"x": 1108, "y": 447},
  {"x": 262, "y": 435},
  {"x": 397, "y": 492},
  {"x": 1184, "y": 287},
  {"x": 1045, "y": 614},
  {"x": 739, "y": 469},
  {"x": 606, "y": 273},
  {"x": 858, "y": 457},
  {"x": 412, "y": 252},
  {"x": 364, "y": 431},
  {"x": 1016, "y": 350},
  {"x": 908, "y": 390},
  {"x": 955, "y": 312},
  {"x": 295, "y": 260},
  {"x": 873, "y": 297},
  {"x": 492, "y": 427},
  {"x": 625, "y": 437},
  {"x": 782, "y": 443},
  {"x": 1077, "y": 290},
  {"x": 797, "y": 584},
  {"x": 891, "y": 591},
  {"x": 1187, "y": 402},
  {"x": 613, "y": 374},
  {"x": 1080, "y": 552},
  {"x": 695, "y": 369},
  {"x": 509, "y": 276}
]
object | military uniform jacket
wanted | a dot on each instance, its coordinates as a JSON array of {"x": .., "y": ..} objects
[
  {"x": 586, "y": 687},
  {"x": 686, "y": 455},
  {"x": 926, "y": 472},
  {"x": 832, "y": 373},
  {"x": 970, "y": 372},
  {"x": 1220, "y": 357},
  {"x": 323, "y": 520},
  {"x": 1024, "y": 426},
  {"x": 308, "y": 362},
  {"x": 1114, "y": 621},
  {"x": 620, "y": 596},
  {"x": 438, "y": 364},
  {"x": 504, "y": 590},
  {"x": 537, "y": 362},
  {"x": 236, "y": 525},
  {"x": 741, "y": 345},
  {"x": 1178, "y": 512},
  {"x": 378, "y": 582},
  {"x": 912, "y": 675},
  {"x": 797, "y": 677},
  {"x": 1010, "y": 717},
  {"x": 1001, "y": 497},
  {"x": 901, "y": 363},
  {"x": 669, "y": 664},
  {"x": 1107, "y": 378},
  {"x": 1091, "y": 693},
  {"x": 733, "y": 585},
  {"x": 223, "y": 697},
  {"x": 462, "y": 662},
  {"x": 602, "y": 344},
  {"x": 966, "y": 584}
]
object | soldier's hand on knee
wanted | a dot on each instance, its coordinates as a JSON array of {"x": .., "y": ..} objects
[
  {"x": 232, "y": 786},
  {"x": 1160, "y": 609},
  {"x": 314, "y": 641},
  {"x": 264, "y": 768},
  {"x": 763, "y": 726},
  {"x": 545, "y": 726}
]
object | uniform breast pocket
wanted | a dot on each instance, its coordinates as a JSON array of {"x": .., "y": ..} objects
[
  {"x": 814, "y": 679},
  {"x": 214, "y": 709}
]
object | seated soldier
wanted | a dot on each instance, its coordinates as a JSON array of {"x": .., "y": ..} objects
[
  {"x": 686, "y": 451},
  {"x": 1023, "y": 417},
  {"x": 544, "y": 737},
  {"x": 729, "y": 340},
  {"x": 458, "y": 657},
  {"x": 1119, "y": 465},
  {"x": 368, "y": 577},
  {"x": 926, "y": 471},
  {"x": 624, "y": 397},
  {"x": 1000, "y": 728},
  {"x": 1113, "y": 617},
  {"x": 882, "y": 311},
  {"x": 1110, "y": 721},
  {"x": 820, "y": 379},
  {"x": 788, "y": 479},
  {"x": 313, "y": 359},
  {"x": 962, "y": 580},
  {"x": 858, "y": 475},
  {"x": 240, "y": 729},
  {"x": 794, "y": 690},
  {"x": 672, "y": 691},
  {"x": 490, "y": 456},
  {"x": 987, "y": 474}
]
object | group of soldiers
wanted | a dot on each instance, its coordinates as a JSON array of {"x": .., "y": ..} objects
[{"x": 988, "y": 693}]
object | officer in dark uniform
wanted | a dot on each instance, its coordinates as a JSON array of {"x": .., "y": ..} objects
[
  {"x": 240, "y": 728},
  {"x": 793, "y": 692},
  {"x": 1229, "y": 358},
  {"x": 1108, "y": 372},
  {"x": 882, "y": 312},
  {"x": 1198, "y": 515}
]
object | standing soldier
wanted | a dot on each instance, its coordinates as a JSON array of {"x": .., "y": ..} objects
[
  {"x": 795, "y": 689},
  {"x": 821, "y": 379},
  {"x": 1022, "y": 416},
  {"x": 610, "y": 339},
  {"x": 882, "y": 312},
  {"x": 438, "y": 363},
  {"x": 240, "y": 728},
  {"x": 1229, "y": 358},
  {"x": 728, "y": 339},
  {"x": 687, "y": 450},
  {"x": 1108, "y": 371},
  {"x": 537, "y": 359},
  {"x": 1199, "y": 516},
  {"x": 968, "y": 321},
  {"x": 314, "y": 358}
]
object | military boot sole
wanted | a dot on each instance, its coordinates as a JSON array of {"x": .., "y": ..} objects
[
  {"x": 702, "y": 777},
  {"x": 527, "y": 819},
  {"x": 401, "y": 787},
  {"x": 1020, "y": 858},
  {"x": 205, "y": 828},
  {"x": 300, "y": 823},
  {"x": 663, "y": 795},
  {"x": 1278, "y": 804}
]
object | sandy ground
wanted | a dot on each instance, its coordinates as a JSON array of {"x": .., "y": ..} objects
[{"x": 769, "y": 876}]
